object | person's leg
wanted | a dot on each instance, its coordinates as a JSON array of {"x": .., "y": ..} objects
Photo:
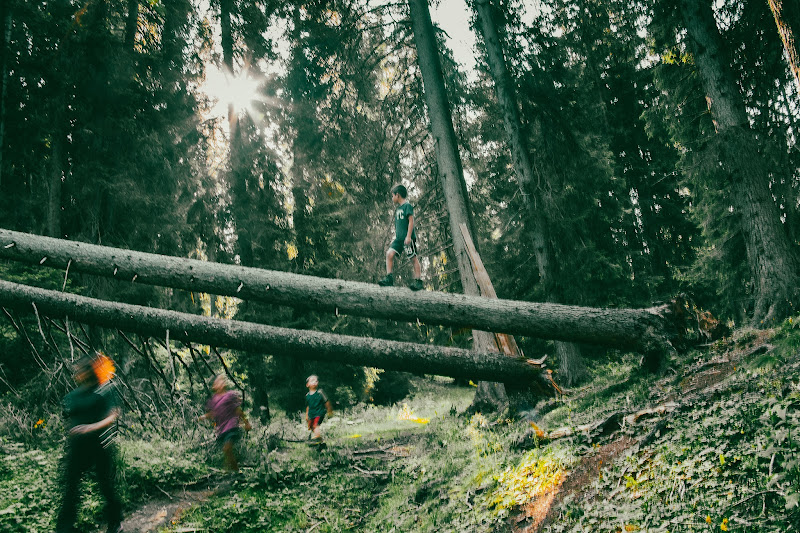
[
  {"x": 390, "y": 253},
  {"x": 106, "y": 481},
  {"x": 73, "y": 465},
  {"x": 388, "y": 281},
  {"x": 416, "y": 285},
  {"x": 231, "y": 462},
  {"x": 315, "y": 430}
]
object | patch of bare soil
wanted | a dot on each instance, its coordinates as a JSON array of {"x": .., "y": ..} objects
[
  {"x": 700, "y": 378},
  {"x": 537, "y": 514},
  {"x": 705, "y": 375},
  {"x": 160, "y": 513}
]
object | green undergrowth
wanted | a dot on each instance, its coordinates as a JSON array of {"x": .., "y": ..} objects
[
  {"x": 29, "y": 480},
  {"x": 417, "y": 466},
  {"x": 723, "y": 457},
  {"x": 726, "y": 460}
]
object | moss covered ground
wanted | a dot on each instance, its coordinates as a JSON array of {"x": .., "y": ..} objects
[{"x": 716, "y": 451}]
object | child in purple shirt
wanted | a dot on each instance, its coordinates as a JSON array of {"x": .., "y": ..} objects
[{"x": 225, "y": 407}]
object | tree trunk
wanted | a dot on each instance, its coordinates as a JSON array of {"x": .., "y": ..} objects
[
  {"x": 241, "y": 205},
  {"x": 131, "y": 25},
  {"x": 787, "y": 14},
  {"x": 259, "y": 338},
  {"x": 451, "y": 173},
  {"x": 56, "y": 173},
  {"x": 225, "y": 9},
  {"x": 5, "y": 20},
  {"x": 771, "y": 258},
  {"x": 571, "y": 366},
  {"x": 637, "y": 329}
]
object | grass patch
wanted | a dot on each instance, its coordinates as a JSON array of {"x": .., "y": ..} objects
[{"x": 727, "y": 459}]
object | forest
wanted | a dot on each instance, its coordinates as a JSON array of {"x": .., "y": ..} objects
[{"x": 596, "y": 328}]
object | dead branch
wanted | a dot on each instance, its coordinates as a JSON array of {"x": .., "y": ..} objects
[
  {"x": 371, "y": 472},
  {"x": 228, "y": 371}
]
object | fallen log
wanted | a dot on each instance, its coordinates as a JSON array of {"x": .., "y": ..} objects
[
  {"x": 259, "y": 338},
  {"x": 644, "y": 330}
]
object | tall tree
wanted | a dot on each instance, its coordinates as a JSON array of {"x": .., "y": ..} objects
[
  {"x": 787, "y": 19},
  {"x": 772, "y": 260},
  {"x": 253, "y": 177},
  {"x": 5, "y": 28},
  {"x": 571, "y": 366},
  {"x": 451, "y": 175}
]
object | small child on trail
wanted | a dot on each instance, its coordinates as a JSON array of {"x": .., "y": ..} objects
[
  {"x": 225, "y": 407},
  {"x": 317, "y": 405},
  {"x": 405, "y": 239}
]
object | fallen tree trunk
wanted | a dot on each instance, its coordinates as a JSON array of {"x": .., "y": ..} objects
[
  {"x": 259, "y": 338},
  {"x": 644, "y": 330}
]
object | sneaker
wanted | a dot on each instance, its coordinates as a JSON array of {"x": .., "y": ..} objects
[
  {"x": 416, "y": 285},
  {"x": 387, "y": 281}
]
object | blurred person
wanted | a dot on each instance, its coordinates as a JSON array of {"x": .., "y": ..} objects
[
  {"x": 90, "y": 412},
  {"x": 225, "y": 408}
]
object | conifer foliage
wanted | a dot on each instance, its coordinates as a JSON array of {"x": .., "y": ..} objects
[{"x": 660, "y": 140}]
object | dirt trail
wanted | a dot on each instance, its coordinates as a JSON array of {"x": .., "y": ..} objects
[
  {"x": 161, "y": 512},
  {"x": 701, "y": 378}
]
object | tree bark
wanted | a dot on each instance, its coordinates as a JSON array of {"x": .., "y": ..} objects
[
  {"x": 54, "y": 182},
  {"x": 225, "y": 9},
  {"x": 637, "y": 329},
  {"x": 771, "y": 258},
  {"x": 451, "y": 173},
  {"x": 786, "y": 14},
  {"x": 131, "y": 24},
  {"x": 571, "y": 366},
  {"x": 5, "y": 19},
  {"x": 259, "y": 338}
]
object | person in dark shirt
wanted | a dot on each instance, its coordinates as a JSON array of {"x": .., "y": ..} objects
[
  {"x": 90, "y": 413},
  {"x": 317, "y": 405}
]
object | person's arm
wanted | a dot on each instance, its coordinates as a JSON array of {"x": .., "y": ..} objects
[
  {"x": 410, "y": 228},
  {"x": 82, "y": 429},
  {"x": 329, "y": 407}
]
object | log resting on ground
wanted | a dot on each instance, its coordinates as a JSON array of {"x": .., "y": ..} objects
[
  {"x": 259, "y": 338},
  {"x": 644, "y": 330}
]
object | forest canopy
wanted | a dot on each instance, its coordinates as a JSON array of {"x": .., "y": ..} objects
[
  {"x": 601, "y": 154},
  {"x": 620, "y": 178}
]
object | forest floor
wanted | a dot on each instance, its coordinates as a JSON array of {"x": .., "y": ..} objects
[{"x": 709, "y": 445}]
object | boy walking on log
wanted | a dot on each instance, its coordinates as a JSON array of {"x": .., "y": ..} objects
[
  {"x": 317, "y": 405},
  {"x": 405, "y": 239}
]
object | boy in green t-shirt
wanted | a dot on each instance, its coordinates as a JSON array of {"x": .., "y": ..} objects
[
  {"x": 317, "y": 405},
  {"x": 405, "y": 239}
]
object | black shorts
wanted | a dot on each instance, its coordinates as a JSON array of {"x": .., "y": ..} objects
[
  {"x": 398, "y": 245},
  {"x": 232, "y": 435}
]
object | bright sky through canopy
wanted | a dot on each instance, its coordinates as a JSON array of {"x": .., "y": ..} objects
[
  {"x": 453, "y": 17},
  {"x": 240, "y": 90}
]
